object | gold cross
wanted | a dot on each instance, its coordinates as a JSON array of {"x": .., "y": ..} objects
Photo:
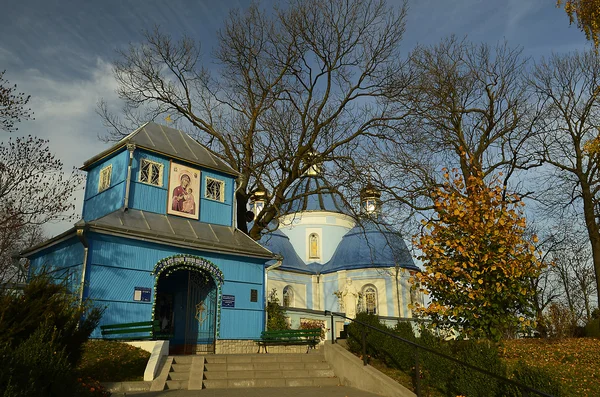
[{"x": 200, "y": 309}]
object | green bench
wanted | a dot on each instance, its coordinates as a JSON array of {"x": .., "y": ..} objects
[
  {"x": 123, "y": 331},
  {"x": 286, "y": 337}
]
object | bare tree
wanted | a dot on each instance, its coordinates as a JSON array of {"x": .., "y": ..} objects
[
  {"x": 34, "y": 190},
  {"x": 546, "y": 286},
  {"x": 468, "y": 108},
  {"x": 293, "y": 88},
  {"x": 573, "y": 267},
  {"x": 12, "y": 105},
  {"x": 568, "y": 89}
]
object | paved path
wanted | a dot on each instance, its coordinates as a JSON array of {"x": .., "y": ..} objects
[{"x": 334, "y": 391}]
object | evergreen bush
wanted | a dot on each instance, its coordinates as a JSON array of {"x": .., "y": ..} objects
[
  {"x": 44, "y": 301},
  {"x": 276, "y": 318},
  {"x": 592, "y": 328},
  {"x": 42, "y": 331},
  {"x": 481, "y": 354},
  {"x": 448, "y": 377},
  {"x": 533, "y": 377},
  {"x": 38, "y": 366}
]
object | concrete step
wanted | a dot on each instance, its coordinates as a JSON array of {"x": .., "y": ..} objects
[
  {"x": 269, "y": 382},
  {"x": 275, "y": 366},
  {"x": 176, "y": 385},
  {"x": 264, "y": 358},
  {"x": 180, "y": 367},
  {"x": 178, "y": 376},
  {"x": 182, "y": 359},
  {"x": 287, "y": 374}
]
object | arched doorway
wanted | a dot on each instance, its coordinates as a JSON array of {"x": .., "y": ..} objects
[{"x": 187, "y": 296}]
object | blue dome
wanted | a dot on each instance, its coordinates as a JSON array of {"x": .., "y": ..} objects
[
  {"x": 324, "y": 198},
  {"x": 368, "y": 246},
  {"x": 278, "y": 243}
]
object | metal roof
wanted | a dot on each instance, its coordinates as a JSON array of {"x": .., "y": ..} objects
[
  {"x": 367, "y": 246},
  {"x": 279, "y": 243},
  {"x": 170, "y": 142},
  {"x": 313, "y": 193},
  {"x": 171, "y": 230}
]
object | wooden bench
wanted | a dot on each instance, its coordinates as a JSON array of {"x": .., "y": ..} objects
[
  {"x": 122, "y": 331},
  {"x": 286, "y": 337}
]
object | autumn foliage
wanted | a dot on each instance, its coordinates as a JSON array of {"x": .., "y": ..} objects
[
  {"x": 587, "y": 15},
  {"x": 477, "y": 259}
]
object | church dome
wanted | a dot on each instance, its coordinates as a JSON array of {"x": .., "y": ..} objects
[
  {"x": 368, "y": 246},
  {"x": 324, "y": 197},
  {"x": 279, "y": 243}
]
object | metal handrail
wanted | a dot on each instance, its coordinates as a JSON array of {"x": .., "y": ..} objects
[{"x": 524, "y": 388}]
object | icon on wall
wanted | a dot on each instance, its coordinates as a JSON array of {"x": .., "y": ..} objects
[{"x": 184, "y": 191}]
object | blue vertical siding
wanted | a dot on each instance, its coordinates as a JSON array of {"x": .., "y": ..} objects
[
  {"x": 151, "y": 198},
  {"x": 97, "y": 204},
  {"x": 117, "y": 265},
  {"x": 62, "y": 262},
  {"x": 241, "y": 324},
  {"x": 66, "y": 254},
  {"x": 143, "y": 196},
  {"x": 122, "y": 312},
  {"x": 212, "y": 211}
]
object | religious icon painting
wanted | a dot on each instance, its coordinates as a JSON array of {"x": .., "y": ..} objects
[{"x": 184, "y": 191}]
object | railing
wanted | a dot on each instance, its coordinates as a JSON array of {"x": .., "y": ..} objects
[{"x": 525, "y": 390}]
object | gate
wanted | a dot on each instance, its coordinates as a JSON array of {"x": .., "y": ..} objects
[{"x": 200, "y": 317}]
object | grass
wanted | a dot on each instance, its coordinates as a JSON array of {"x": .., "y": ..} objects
[
  {"x": 110, "y": 361},
  {"x": 574, "y": 361}
]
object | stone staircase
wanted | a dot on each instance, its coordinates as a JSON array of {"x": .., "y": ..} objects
[
  {"x": 267, "y": 370},
  {"x": 179, "y": 375},
  {"x": 248, "y": 370}
]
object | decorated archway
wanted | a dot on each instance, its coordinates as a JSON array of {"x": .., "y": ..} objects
[{"x": 187, "y": 292}]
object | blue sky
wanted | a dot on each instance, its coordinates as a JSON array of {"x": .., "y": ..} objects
[{"x": 60, "y": 52}]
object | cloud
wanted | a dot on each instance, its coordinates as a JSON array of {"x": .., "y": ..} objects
[{"x": 65, "y": 114}]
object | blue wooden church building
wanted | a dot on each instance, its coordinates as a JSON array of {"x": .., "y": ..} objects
[{"x": 157, "y": 241}]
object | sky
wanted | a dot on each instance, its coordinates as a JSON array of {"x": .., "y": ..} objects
[{"x": 61, "y": 52}]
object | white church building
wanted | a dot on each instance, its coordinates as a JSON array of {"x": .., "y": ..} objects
[{"x": 331, "y": 263}]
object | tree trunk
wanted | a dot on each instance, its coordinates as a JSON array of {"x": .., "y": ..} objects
[
  {"x": 593, "y": 230},
  {"x": 241, "y": 199}
]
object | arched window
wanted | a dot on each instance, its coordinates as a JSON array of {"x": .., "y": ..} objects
[
  {"x": 313, "y": 246},
  {"x": 370, "y": 299},
  {"x": 288, "y": 296}
]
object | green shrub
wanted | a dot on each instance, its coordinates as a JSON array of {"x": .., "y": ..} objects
[
  {"x": 536, "y": 378},
  {"x": 398, "y": 354},
  {"x": 276, "y": 318},
  {"x": 45, "y": 301},
  {"x": 42, "y": 330},
  {"x": 375, "y": 340},
  {"x": 443, "y": 375},
  {"x": 481, "y": 354},
  {"x": 36, "y": 367},
  {"x": 592, "y": 328}
]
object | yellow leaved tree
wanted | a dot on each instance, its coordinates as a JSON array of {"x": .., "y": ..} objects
[
  {"x": 587, "y": 14},
  {"x": 478, "y": 261}
]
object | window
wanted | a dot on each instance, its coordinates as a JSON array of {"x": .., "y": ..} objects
[
  {"x": 313, "y": 246},
  {"x": 151, "y": 172},
  {"x": 215, "y": 189},
  {"x": 105, "y": 174},
  {"x": 288, "y": 296},
  {"x": 370, "y": 294}
]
